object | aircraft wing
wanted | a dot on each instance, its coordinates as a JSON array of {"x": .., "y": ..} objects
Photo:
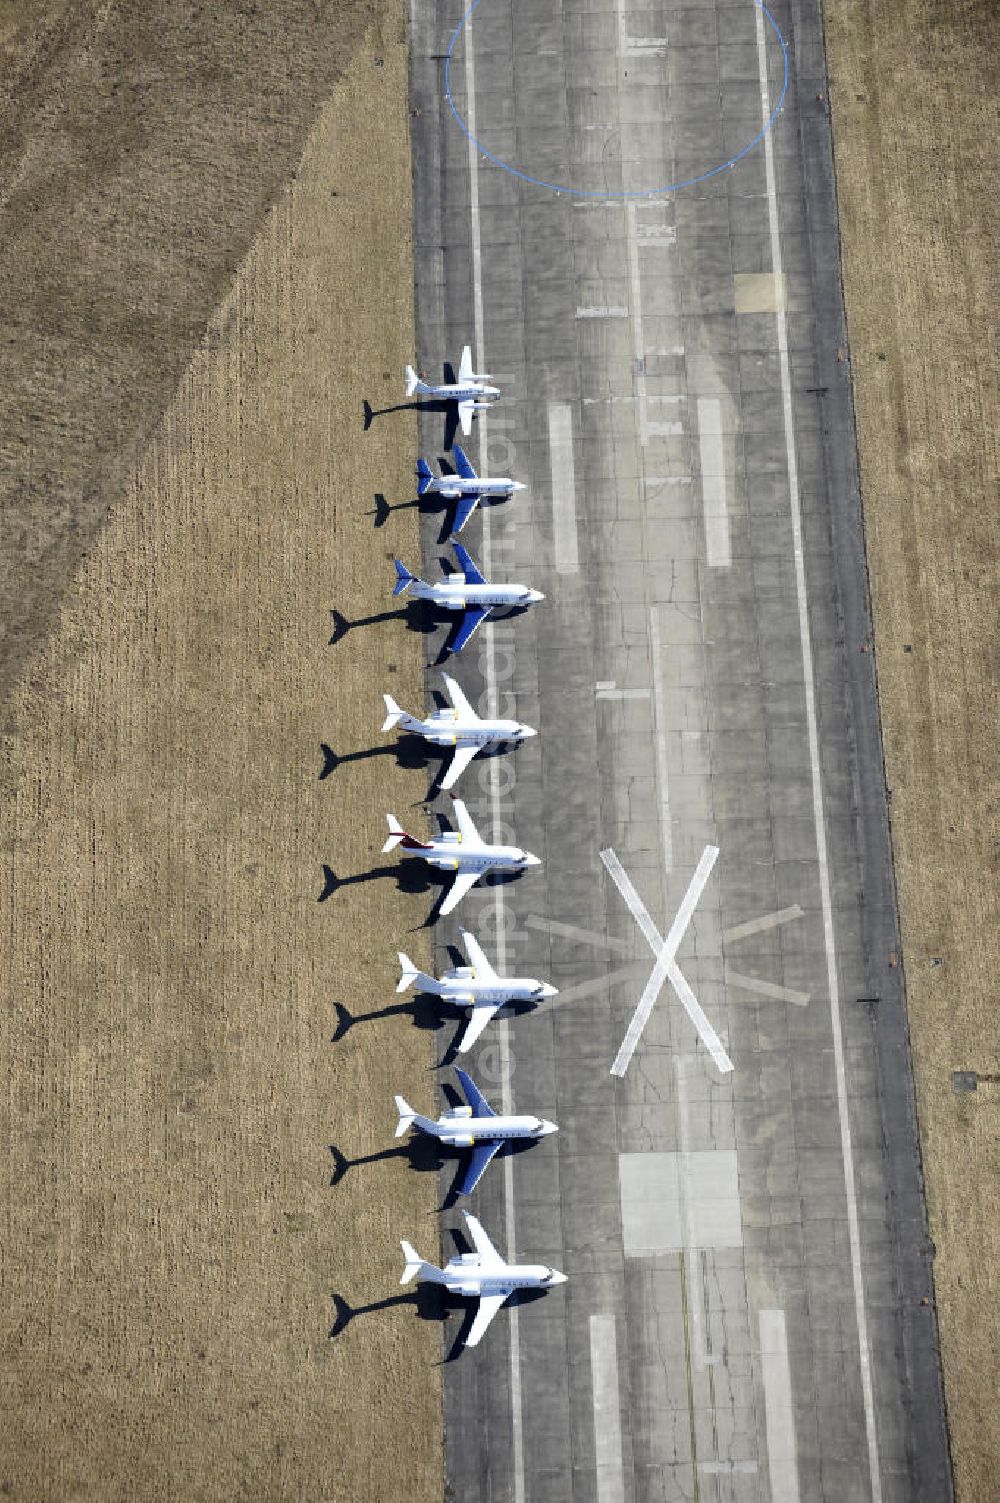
[
  {"x": 471, "y": 570},
  {"x": 481, "y": 1156},
  {"x": 459, "y": 762},
  {"x": 458, "y": 699},
  {"x": 468, "y": 626},
  {"x": 465, "y": 412},
  {"x": 466, "y": 827},
  {"x": 481, "y": 1015},
  {"x": 465, "y": 371},
  {"x": 489, "y": 1304},
  {"x": 462, "y": 464},
  {"x": 474, "y": 1096},
  {"x": 488, "y": 1255},
  {"x": 464, "y": 507},
  {"x": 477, "y": 959},
  {"x": 463, "y": 882}
]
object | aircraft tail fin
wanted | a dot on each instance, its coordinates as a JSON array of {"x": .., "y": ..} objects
[
  {"x": 409, "y": 973},
  {"x": 415, "y": 1264},
  {"x": 403, "y": 578},
  {"x": 396, "y": 833},
  {"x": 424, "y": 476},
  {"x": 393, "y": 714},
  {"x": 407, "y": 1117},
  {"x": 413, "y": 382}
]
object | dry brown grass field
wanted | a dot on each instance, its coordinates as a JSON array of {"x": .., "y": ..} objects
[
  {"x": 180, "y": 510},
  {"x": 914, "y": 88}
]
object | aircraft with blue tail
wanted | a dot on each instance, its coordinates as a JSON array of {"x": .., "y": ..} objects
[
  {"x": 466, "y": 590},
  {"x": 464, "y": 487}
]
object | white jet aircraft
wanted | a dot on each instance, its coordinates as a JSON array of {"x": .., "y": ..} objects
[
  {"x": 464, "y": 852},
  {"x": 476, "y": 986},
  {"x": 469, "y": 392},
  {"x": 476, "y": 1126},
  {"x": 468, "y": 591},
  {"x": 465, "y": 487},
  {"x": 459, "y": 727},
  {"x": 482, "y": 1275}
]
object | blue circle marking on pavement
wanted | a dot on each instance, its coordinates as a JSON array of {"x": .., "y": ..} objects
[{"x": 657, "y": 192}]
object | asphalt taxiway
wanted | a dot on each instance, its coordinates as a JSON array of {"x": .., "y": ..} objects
[{"x": 748, "y": 1314}]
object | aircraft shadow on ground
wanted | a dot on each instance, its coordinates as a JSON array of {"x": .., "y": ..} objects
[
  {"x": 449, "y": 411},
  {"x": 411, "y": 752},
  {"x": 411, "y": 613},
  {"x": 420, "y": 1007}
]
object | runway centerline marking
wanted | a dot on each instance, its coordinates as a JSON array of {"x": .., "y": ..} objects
[
  {"x": 666, "y": 968},
  {"x": 805, "y": 640},
  {"x": 660, "y": 728}
]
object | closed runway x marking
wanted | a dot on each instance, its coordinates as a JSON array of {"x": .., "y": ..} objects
[{"x": 666, "y": 967}]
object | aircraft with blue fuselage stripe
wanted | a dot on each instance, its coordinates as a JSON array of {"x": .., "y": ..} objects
[
  {"x": 468, "y": 591},
  {"x": 470, "y": 392},
  {"x": 464, "y": 487}
]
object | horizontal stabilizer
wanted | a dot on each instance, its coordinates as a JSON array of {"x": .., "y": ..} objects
[
  {"x": 425, "y": 476},
  {"x": 403, "y": 578},
  {"x": 393, "y": 714},
  {"x": 416, "y": 1264}
]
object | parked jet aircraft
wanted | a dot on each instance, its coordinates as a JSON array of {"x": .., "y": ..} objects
[
  {"x": 469, "y": 392},
  {"x": 466, "y": 487},
  {"x": 464, "y": 852},
  {"x": 476, "y": 986},
  {"x": 476, "y": 1126},
  {"x": 482, "y": 1275},
  {"x": 459, "y": 727},
  {"x": 468, "y": 592}
]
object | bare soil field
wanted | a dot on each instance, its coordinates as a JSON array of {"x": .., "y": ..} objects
[
  {"x": 180, "y": 511},
  {"x": 914, "y": 88}
]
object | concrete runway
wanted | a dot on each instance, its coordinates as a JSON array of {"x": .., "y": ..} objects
[{"x": 748, "y": 1310}]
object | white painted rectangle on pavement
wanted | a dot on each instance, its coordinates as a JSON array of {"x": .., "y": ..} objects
[
  {"x": 607, "y": 1410},
  {"x": 563, "y": 488},
  {"x": 604, "y": 310},
  {"x": 672, "y": 1202},
  {"x": 779, "y": 1413},
  {"x": 713, "y": 482}
]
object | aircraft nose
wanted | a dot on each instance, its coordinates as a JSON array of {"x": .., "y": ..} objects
[
  {"x": 530, "y": 860},
  {"x": 555, "y": 1277},
  {"x": 547, "y": 1128},
  {"x": 518, "y": 485},
  {"x": 535, "y": 595},
  {"x": 527, "y": 731}
]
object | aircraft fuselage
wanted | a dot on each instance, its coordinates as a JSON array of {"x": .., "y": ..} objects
[
  {"x": 462, "y": 1132},
  {"x": 464, "y": 1275},
  {"x": 458, "y": 597},
  {"x": 445, "y": 729}
]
